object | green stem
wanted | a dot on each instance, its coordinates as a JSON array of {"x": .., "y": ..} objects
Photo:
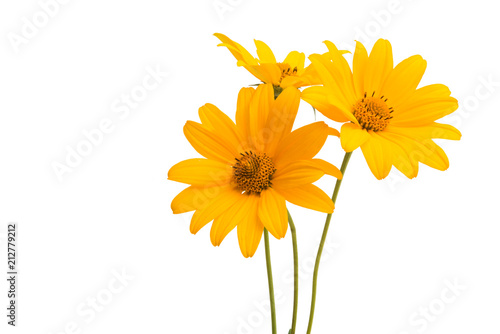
[
  {"x": 322, "y": 243},
  {"x": 270, "y": 280},
  {"x": 295, "y": 273}
]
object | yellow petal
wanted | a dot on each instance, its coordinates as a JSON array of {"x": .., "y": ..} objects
[
  {"x": 243, "y": 111},
  {"x": 219, "y": 123},
  {"x": 272, "y": 212},
  {"x": 326, "y": 167},
  {"x": 240, "y": 212},
  {"x": 303, "y": 143},
  {"x": 209, "y": 144},
  {"x": 201, "y": 172},
  {"x": 317, "y": 97},
  {"x": 339, "y": 94},
  {"x": 264, "y": 52},
  {"x": 359, "y": 67},
  {"x": 219, "y": 204},
  {"x": 193, "y": 198},
  {"x": 424, "y": 112},
  {"x": 343, "y": 71},
  {"x": 378, "y": 155},
  {"x": 401, "y": 149},
  {"x": 267, "y": 73},
  {"x": 333, "y": 132},
  {"x": 403, "y": 80},
  {"x": 352, "y": 136},
  {"x": 250, "y": 233},
  {"x": 296, "y": 174},
  {"x": 292, "y": 81},
  {"x": 434, "y": 130},
  {"x": 435, "y": 157},
  {"x": 281, "y": 118},
  {"x": 239, "y": 52},
  {"x": 308, "y": 196},
  {"x": 379, "y": 66},
  {"x": 261, "y": 103},
  {"x": 295, "y": 59}
]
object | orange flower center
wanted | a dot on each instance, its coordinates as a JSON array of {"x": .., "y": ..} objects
[
  {"x": 286, "y": 70},
  {"x": 372, "y": 113},
  {"x": 253, "y": 172}
]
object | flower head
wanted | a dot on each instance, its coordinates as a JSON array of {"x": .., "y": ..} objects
[
  {"x": 386, "y": 115},
  {"x": 288, "y": 73},
  {"x": 252, "y": 168}
]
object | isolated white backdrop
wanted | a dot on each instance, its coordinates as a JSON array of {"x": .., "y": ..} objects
[{"x": 394, "y": 245}]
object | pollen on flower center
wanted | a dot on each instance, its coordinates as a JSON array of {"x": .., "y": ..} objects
[
  {"x": 287, "y": 70},
  {"x": 253, "y": 172},
  {"x": 373, "y": 113}
]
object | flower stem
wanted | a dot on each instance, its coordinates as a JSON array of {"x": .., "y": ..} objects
[
  {"x": 322, "y": 243},
  {"x": 295, "y": 273},
  {"x": 270, "y": 280}
]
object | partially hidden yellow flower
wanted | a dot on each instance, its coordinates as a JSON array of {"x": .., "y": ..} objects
[
  {"x": 288, "y": 73},
  {"x": 252, "y": 168},
  {"x": 387, "y": 116}
]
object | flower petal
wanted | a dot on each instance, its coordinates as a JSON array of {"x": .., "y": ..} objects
[
  {"x": 296, "y": 174},
  {"x": 434, "y": 130},
  {"x": 379, "y": 66},
  {"x": 295, "y": 59},
  {"x": 241, "y": 211},
  {"x": 193, "y": 198},
  {"x": 326, "y": 167},
  {"x": 250, "y": 232},
  {"x": 359, "y": 67},
  {"x": 378, "y": 155},
  {"x": 401, "y": 148},
  {"x": 264, "y": 52},
  {"x": 218, "y": 205},
  {"x": 403, "y": 80},
  {"x": 352, "y": 136},
  {"x": 261, "y": 104},
  {"x": 239, "y": 52},
  {"x": 424, "y": 112},
  {"x": 201, "y": 172},
  {"x": 339, "y": 95},
  {"x": 219, "y": 123},
  {"x": 308, "y": 196},
  {"x": 272, "y": 212},
  {"x": 343, "y": 71},
  {"x": 243, "y": 111},
  {"x": 317, "y": 97},
  {"x": 209, "y": 144},
  {"x": 303, "y": 143},
  {"x": 281, "y": 117}
]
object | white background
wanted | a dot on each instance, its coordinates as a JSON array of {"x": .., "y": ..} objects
[{"x": 393, "y": 244}]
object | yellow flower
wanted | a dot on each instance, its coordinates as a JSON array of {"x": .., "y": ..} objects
[
  {"x": 252, "y": 167},
  {"x": 387, "y": 116},
  {"x": 288, "y": 73}
]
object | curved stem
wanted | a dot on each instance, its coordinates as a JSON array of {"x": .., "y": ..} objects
[
  {"x": 295, "y": 273},
  {"x": 322, "y": 243},
  {"x": 270, "y": 280}
]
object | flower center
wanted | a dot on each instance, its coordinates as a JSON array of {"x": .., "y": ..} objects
[
  {"x": 253, "y": 172},
  {"x": 372, "y": 112},
  {"x": 286, "y": 70}
]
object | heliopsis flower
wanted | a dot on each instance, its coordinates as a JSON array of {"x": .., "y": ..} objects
[
  {"x": 289, "y": 72},
  {"x": 386, "y": 115},
  {"x": 252, "y": 168}
]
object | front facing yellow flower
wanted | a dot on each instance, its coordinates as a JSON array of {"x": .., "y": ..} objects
[
  {"x": 252, "y": 168},
  {"x": 288, "y": 73},
  {"x": 387, "y": 116}
]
